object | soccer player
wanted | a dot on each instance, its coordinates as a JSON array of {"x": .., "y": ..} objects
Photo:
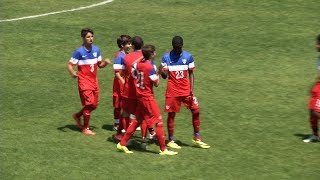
[
  {"x": 87, "y": 58},
  {"x": 147, "y": 108},
  {"x": 178, "y": 67},
  {"x": 314, "y": 103},
  {"x": 128, "y": 97},
  {"x": 124, "y": 43}
]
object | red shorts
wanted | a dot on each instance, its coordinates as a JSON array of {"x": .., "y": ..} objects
[
  {"x": 89, "y": 97},
  {"x": 314, "y": 103},
  {"x": 149, "y": 111},
  {"x": 128, "y": 105},
  {"x": 117, "y": 101},
  {"x": 173, "y": 104}
]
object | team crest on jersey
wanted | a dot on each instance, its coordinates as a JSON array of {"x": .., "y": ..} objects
[
  {"x": 95, "y": 54},
  {"x": 167, "y": 107},
  {"x": 184, "y": 61}
]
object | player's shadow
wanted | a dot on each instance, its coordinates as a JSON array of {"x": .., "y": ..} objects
[
  {"x": 107, "y": 127},
  {"x": 72, "y": 127},
  {"x": 180, "y": 143},
  {"x": 302, "y": 136}
]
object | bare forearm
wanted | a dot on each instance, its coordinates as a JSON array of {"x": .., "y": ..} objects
[{"x": 71, "y": 71}]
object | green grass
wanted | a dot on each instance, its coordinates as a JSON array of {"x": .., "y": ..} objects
[{"x": 255, "y": 62}]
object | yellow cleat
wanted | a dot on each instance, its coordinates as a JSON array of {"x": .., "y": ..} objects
[
  {"x": 200, "y": 144},
  {"x": 167, "y": 152},
  {"x": 173, "y": 145},
  {"x": 123, "y": 149}
]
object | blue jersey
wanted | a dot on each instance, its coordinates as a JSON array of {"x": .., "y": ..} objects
[{"x": 118, "y": 62}]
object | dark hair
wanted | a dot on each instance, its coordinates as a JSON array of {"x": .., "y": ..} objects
[
  {"x": 137, "y": 42},
  {"x": 318, "y": 38},
  {"x": 177, "y": 41},
  {"x": 85, "y": 31},
  {"x": 147, "y": 51},
  {"x": 123, "y": 40}
]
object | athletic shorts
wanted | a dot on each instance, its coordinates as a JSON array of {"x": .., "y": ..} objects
[
  {"x": 173, "y": 104},
  {"x": 128, "y": 105},
  {"x": 117, "y": 101},
  {"x": 89, "y": 97},
  {"x": 149, "y": 111},
  {"x": 314, "y": 103}
]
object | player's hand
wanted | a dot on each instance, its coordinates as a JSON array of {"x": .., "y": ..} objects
[
  {"x": 74, "y": 74},
  {"x": 107, "y": 60}
]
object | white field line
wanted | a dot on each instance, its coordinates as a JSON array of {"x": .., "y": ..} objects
[{"x": 57, "y": 12}]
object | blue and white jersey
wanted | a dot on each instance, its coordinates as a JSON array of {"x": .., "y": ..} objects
[
  {"x": 118, "y": 63},
  {"x": 178, "y": 67}
]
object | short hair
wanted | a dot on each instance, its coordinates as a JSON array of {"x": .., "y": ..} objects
[
  {"x": 148, "y": 50},
  {"x": 137, "y": 42},
  {"x": 123, "y": 40},
  {"x": 85, "y": 31},
  {"x": 177, "y": 41},
  {"x": 318, "y": 38}
]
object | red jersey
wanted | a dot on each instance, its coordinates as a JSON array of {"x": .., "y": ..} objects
[
  {"x": 129, "y": 89},
  {"x": 145, "y": 76},
  {"x": 314, "y": 102},
  {"x": 178, "y": 67},
  {"x": 87, "y": 62}
]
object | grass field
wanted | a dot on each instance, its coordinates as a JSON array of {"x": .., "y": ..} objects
[{"x": 255, "y": 62}]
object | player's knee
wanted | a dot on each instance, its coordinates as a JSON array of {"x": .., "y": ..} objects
[
  {"x": 195, "y": 111},
  {"x": 159, "y": 125},
  {"x": 94, "y": 106},
  {"x": 171, "y": 115},
  {"x": 132, "y": 116}
]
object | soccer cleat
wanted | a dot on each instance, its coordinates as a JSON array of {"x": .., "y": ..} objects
[
  {"x": 78, "y": 122},
  {"x": 200, "y": 144},
  {"x": 87, "y": 131},
  {"x": 153, "y": 136},
  {"x": 173, "y": 145},
  {"x": 123, "y": 149},
  {"x": 115, "y": 127},
  {"x": 312, "y": 138},
  {"x": 167, "y": 152}
]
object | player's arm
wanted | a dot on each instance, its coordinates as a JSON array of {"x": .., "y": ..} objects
[
  {"x": 72, "y": 72},
  {"x": 104, "y": 63},
  {"x": 118, "y": 76},
  {"x": 191, "y": 81},
  {"x": 162, "y": 72},
  {"x": 157, "y": 82}
]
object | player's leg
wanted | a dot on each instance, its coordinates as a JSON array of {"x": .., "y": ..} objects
[
  {"x": 172, "y": 105},
  {"x": 192, "y": 104},
  {"x": 161, "y": 139},
  {"x": 121, "y": 146},
  {"x": 116, "y": 112},
  {"x": 313, "y": 119},
  {"x": 91, "y": 103},
  {"x": 77, "y": 118}
]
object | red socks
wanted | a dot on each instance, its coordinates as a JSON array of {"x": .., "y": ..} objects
[
  {"x": 170, "y": 124},
  {"x": 131, "y": 129}
]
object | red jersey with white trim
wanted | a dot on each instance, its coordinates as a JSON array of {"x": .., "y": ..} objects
[
  {"x": 118, "y": 66},
  {"x": 145, "y": 77},
  {"x": 87, "y": 62},
  {"x": 129, "y": 89},
  {"x": 178, "y": 67}
]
